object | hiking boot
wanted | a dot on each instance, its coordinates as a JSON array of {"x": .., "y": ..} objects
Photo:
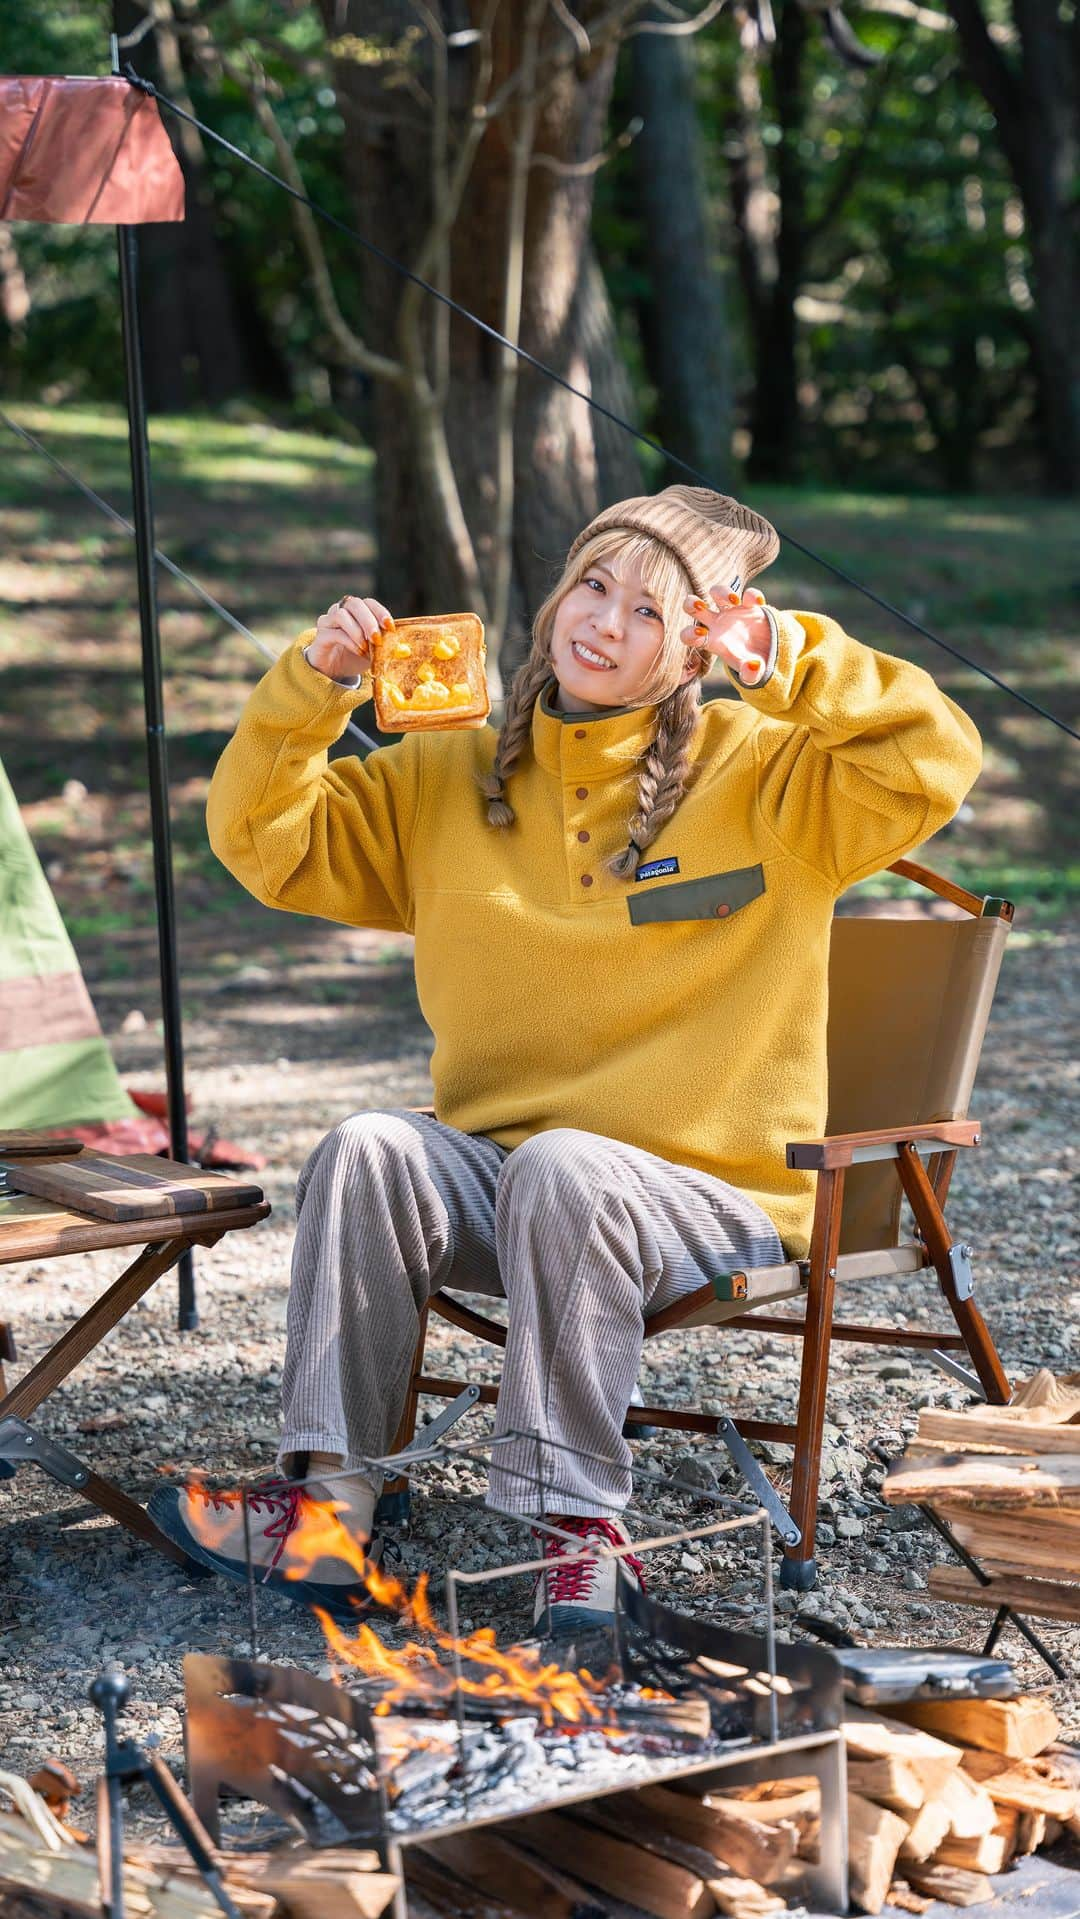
[
  {"x": 581, "y": 1598},
  {"x": 287, "y": 1525}
]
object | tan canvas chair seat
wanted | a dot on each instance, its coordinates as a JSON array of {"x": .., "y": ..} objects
[{"x": 909, "y": 1000}]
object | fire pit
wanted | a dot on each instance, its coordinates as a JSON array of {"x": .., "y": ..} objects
[{"x": 456, "y": 1733}]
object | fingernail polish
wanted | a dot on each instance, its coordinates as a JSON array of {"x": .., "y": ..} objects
[
  {"x": 700, "y": 606},
  {"x": 701, "y": 631},
  {"x": 734, "y": 598}
]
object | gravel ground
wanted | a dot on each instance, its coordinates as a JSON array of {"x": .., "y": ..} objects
[{"x": 325, "y": 1021}]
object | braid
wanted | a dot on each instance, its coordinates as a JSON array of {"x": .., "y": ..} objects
[
  {"x": 525, "y": 689},
  {"x": 664, "y": 774}
]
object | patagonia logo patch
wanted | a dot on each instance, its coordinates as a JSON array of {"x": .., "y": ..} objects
[{"x": 655, "y": 869}]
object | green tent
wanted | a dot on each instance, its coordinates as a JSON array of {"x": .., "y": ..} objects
[{"x": 55, "y": 1068}]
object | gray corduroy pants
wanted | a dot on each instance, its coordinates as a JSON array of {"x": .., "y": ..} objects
[{"x": 584, "y": 1236}]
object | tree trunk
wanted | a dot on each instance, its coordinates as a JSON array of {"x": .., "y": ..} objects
[
  {"x": 775, "y": 423},
  {"x": 1037, "y": 109},
  {"x": 193, "y": 339},
  {"x": 683, "y": 317},
  {"x": 568, "y": 462}
]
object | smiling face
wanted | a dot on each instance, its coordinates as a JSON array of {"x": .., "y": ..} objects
[{"x": 615, "y": 628}]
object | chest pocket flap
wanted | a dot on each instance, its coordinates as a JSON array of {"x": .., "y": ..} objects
[{"x": 713, "y": 898}]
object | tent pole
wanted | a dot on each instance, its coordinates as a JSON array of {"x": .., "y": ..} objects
[{"x": 156, "y": 751}]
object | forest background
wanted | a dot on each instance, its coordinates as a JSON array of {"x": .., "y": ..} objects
[{"x": 827, "y": 255}]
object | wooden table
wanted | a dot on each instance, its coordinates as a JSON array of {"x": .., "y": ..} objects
[{"x": 34, "y": 1229}]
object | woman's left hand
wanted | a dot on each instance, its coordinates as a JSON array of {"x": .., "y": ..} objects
[{"x": 736, "y": 629}]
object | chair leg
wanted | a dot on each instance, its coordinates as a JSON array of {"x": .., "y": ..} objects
[
  {"x": 798, "y": 1570},
  {"x": 973, "y": 1328},
  {"x": 7, "y": 1351},
  {"x": 393, "y": 1506}
]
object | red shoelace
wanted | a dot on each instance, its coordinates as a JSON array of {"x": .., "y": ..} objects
[
  {"x": 276, "y": 1498},
  {"x": 565, "y": 1584}
]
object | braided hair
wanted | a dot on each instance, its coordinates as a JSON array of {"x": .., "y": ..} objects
[{"x": 664, "y": 769}]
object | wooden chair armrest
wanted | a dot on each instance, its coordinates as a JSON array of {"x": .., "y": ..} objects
[{"x": 852, "y": 1149}]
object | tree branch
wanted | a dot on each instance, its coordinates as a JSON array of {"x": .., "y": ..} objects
[
  {"x": 352, "y": 348},
  {"x": 680, "y": 27}
]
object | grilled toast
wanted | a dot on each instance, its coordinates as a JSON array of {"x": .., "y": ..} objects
[{"x": 429, "y": 673}]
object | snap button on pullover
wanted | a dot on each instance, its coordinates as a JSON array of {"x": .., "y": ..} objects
[
  {"x": 581, "y": 793},
  {"x": 579, "y": 732},
  {"x": 586, "y": 879},
  {"x": 584, "y": 838},
  {"x": 722, "y": 911}
]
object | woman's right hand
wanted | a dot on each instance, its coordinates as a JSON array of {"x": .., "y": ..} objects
[{"x": 343, "y": 634}]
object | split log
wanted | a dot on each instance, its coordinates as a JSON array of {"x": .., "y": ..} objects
[
  {"x": 795, "y": 1802},
  {"x": 1031, "y": 1831},
  {"x": 1007, "y": 1824},
  {"x": 751, "y": 1849},
  {"x": 875, "y": 1836},
  {"x": 905, "y": 1900},
  {"x": 1031, "y": 1785},
  {"x": 1038, "y": 1541},
  {"x": 984, "y": 1431},
  {"x": 742, "y": 1899},
  {"x": 1044, "y": 1397},
  {"x": 889, "y": 1781},
  {"x": 66, "y": 1883},
  {"x": 869, "y": 1735},
  {"x": 971, "y": 1810},
  {"x": 1065, "y": 1761},
  {"x": 987, "y": 1853},
  {"x": 1011, "y": 1480},
  {"x": 952, "y": 1884},
  {"x": 305, "y": 1889},
  {"x": 1019, "y": 1728},
  {"x": 1045, "y": 1598},
  {"x": 925, "y": 1833},
  {"x": 445, "y": 1894},
  {"x": 614, "y": 1865},
  {"x": 486, "y": 1863}
]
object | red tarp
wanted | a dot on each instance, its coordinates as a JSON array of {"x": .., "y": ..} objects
[{"x": 84, "y": 152}]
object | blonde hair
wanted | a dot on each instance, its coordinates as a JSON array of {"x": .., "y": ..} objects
[{"x": 664, "y": 767}]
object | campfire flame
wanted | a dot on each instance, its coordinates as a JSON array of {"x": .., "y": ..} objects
[
  {"x": 516, "y": 1673},
  {"x": 516, "y": 1676}
]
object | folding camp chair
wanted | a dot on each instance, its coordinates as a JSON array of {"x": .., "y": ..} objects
[
  {"x": 78, "y": 1204},
  {"x": 909, "y": 1003}
]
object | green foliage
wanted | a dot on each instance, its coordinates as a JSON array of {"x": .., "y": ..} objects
[{"x": 914, "y": 323}]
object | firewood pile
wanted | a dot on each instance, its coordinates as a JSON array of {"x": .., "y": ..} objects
[
  {"x": 943, "y": 1794},
  {"x": 1006, "y": 1480},
  {"x": 675, "y": 1853},
  {"x": 48, "y": 1871}
]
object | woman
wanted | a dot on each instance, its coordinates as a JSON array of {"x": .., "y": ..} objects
[{"x": 621, "y": 905}]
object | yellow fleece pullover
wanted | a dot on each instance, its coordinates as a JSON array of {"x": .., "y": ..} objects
[{"x": 683, "y": 1011}]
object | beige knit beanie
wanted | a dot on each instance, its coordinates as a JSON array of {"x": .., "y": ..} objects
[{"x": 719, "y": 541}]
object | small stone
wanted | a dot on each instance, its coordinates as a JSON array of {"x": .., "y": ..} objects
[
  {"x": 134, "y": 1022},
  {"x": 877, "y": 1563},
  {"x": 912, "y": 1581},
  {"x": 826, "y": 1534},
  {"x": 691, "y": 1564},
  {"x": 849, "y": 1528},
  {"x": 695, "y": 1472},
  {"x": 895, "y": 1369},
  {"x": 28, "y": 1702}
]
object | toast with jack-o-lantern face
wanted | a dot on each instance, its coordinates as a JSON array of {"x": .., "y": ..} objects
[{"x": 430, "y": 673}]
